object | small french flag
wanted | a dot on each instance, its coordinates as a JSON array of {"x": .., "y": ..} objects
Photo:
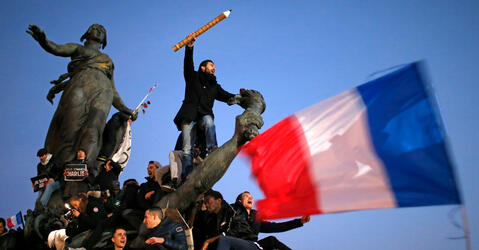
[{"x": 15, "y": 220}]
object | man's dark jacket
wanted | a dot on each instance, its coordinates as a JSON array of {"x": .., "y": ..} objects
[
  {"x": 149, "y": 185},
  {"x": 113, "y": 134},
  {"x": 246, "y": 226},
  {"x": 172, "y": 232},
  {"x": 52, "y": 169},
  {"x": 201, "y": 90},
  {"x": 208, "y": 225},
  {"x": 88, "y": 219},
  {"x": 105, "y": 178}
]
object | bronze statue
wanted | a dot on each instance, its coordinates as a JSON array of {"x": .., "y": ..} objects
[{"x": 88, "y": 94}]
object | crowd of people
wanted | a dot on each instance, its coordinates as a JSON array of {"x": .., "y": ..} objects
[
  {"x": 95, "y": 202},
  {"x": 216, "y": 224}
]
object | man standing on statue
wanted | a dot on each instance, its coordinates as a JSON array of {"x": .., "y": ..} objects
[{"x": 201, "y": 90}]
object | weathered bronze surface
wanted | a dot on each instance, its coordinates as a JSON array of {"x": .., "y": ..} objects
[{"x": 88, "y": 94}]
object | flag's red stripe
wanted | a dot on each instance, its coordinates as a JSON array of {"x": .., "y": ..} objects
[
  {"x": 280, "y": 160},
  {"x": 10, "y": 223}
]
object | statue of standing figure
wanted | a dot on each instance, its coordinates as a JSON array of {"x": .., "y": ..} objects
[{"x": 88, "y": 94}]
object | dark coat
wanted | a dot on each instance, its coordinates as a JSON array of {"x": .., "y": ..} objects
[
  {"x": 149, "y": 185},
  {"x": 105, "y": 178},
  {"x": 113, "y": 134},
  {"x": 246, "y": 226},
  {"x": 53, "y": 169},
  {"x": 201, "y": 90},
  {"x": 172, "y": 232},
  {"x": 208, "y": 225},
  {"x": 88, "y": 219},
  {"x": 129, "y": 199}
]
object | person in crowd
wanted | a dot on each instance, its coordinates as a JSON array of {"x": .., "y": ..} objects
[
  {"x": 244, "y": 228},
  {"x": 129, "y": 209},
  {"x": 74, "y": 187},
  {"x": 10, "y": 240},
  {"x": 201, "y": 90},
  {"x": 130, "y": 192},
  {"x": 52, "y": 169},
  {"x": 209, "y": 225},
  {"x": 164, "y": 233},
  {"x": 57, "y": 239},
  {"x": 113, "y": 134},
  {"x": 113, "y": 199},
  {"x": 111, "y": 207},
  {"x": 3, "y": 227},
  {"x": 148, "y": 194},
  {"x": 108, "y": 175},
  {"x": 172, "y": 175},
  {"x": 119, "y": 238},
  {"x": 88, "y": 213},
  {"x": 150, "y": 191}
]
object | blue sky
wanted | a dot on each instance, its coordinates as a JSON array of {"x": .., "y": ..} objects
[{"x": 296, "y": 53}]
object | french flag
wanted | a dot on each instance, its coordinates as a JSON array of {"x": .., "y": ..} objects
[
  {"x": 379, "y": 145},
  {"x": 15, "y": 220}
]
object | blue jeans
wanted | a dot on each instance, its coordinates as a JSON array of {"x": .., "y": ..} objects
[
  {"x": 208, "y": 125},
  {"x": 188, "y": 139},
  {"x": 47, "y": 193},
  {"x": 228, "y": 242}
]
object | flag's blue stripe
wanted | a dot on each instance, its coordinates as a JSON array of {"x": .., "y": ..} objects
[
  {"x": 408, "y": 138},
  {"x": 19, "y": 218}
]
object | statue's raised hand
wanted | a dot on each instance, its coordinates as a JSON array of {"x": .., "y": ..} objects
[
  {"x": 247, "y": 126},
  {"x": 134, "y": 115},
  {"x": 249, "y": 99},
  {"x": 36, "y": 32}
]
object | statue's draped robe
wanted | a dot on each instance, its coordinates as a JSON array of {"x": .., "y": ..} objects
[{"x": 80, "y": 117}]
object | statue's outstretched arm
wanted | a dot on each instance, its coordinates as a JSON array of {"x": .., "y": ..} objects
[
  {"x": 205, "y": 175},
  {"x": 120, "y": 105},
  {"x": 65, "y": 50}
]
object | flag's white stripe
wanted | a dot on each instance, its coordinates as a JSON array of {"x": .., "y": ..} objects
[
  {"x": 14, "y": 221},
  {"x": 345, "y": 169}
]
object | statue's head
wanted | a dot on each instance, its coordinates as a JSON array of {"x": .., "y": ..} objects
[{"x": 97, "y": 33}]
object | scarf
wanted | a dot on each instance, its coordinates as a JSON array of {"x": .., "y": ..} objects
[
  {"x": 49, "y": 156},
  {"x": 207, "y": 79}
]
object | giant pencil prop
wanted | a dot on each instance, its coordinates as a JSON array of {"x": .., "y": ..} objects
[{"x": 202, "y": 30}]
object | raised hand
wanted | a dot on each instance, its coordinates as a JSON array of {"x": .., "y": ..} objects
[
  {"x": 250, "y": 99},
  {"x": 36, "y": 33},
  {"x": 192, "y": 41}
]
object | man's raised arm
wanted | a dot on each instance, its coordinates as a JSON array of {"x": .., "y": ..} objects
[{"x": 188, "y": 63}]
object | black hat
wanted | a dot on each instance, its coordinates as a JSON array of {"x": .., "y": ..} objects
[{"x": 41, "y": 152}]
